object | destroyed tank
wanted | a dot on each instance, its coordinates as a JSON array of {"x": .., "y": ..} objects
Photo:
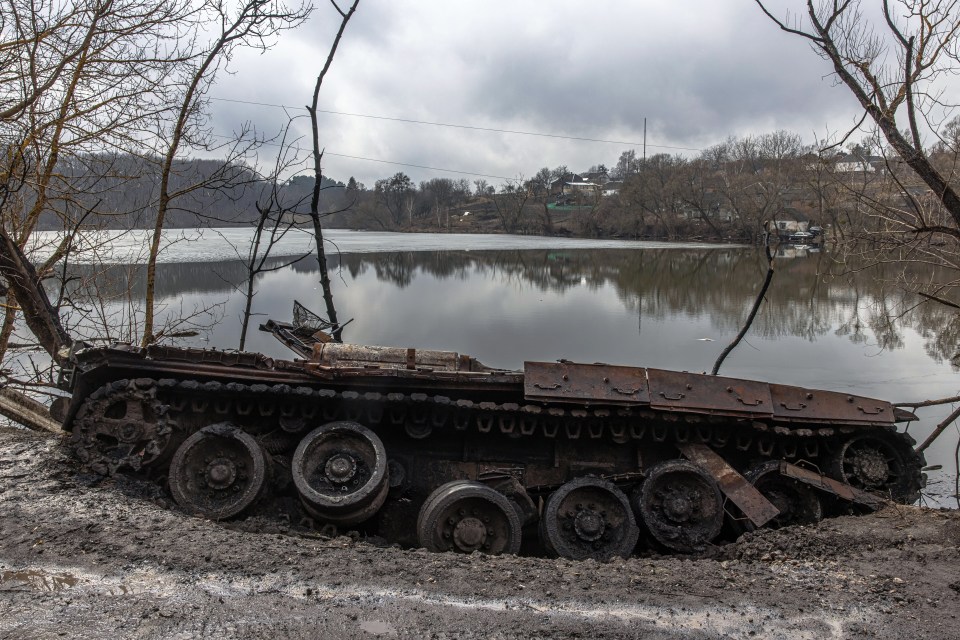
[{"x": 435, "y": 449}]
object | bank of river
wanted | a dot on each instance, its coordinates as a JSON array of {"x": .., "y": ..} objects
[{"x": 82, "y": 557}]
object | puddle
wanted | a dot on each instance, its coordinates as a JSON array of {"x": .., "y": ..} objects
[
  {"x": 37, "y": 580},
  {"x": 377, "y": 628}
]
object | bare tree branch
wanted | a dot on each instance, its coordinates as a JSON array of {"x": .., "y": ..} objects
[{"x": 318, "y": 170}]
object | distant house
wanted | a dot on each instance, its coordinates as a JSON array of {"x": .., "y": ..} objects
[
  {"x": 582, "y": 186},
  {"x": 786, "y": 227},
  {"x": 799, "y": 230},
  {"x": 852, "y": 163},
  {"x": 597, "y": 177},
  {"x": 557, "y": 186}
]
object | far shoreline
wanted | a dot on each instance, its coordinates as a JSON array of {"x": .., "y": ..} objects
[{"x": 228, "y": 243}]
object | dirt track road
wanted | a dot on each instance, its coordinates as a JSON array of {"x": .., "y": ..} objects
[{"x": 82, "y": 558}]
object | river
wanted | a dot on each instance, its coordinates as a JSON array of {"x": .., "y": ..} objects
[{"x": 506, "y": 299}]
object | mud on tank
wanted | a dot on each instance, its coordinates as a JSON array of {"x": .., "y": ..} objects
[{"x": 435, "y": 449}]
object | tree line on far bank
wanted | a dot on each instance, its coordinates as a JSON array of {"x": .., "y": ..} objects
[{"x": 727, "y": 192}]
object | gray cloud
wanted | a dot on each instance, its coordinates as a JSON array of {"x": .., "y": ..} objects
[{"x": 698, "y": 70}]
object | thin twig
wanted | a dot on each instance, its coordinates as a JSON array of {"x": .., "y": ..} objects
[
  {"x": 956, "y": 473},
  {"x": 928, "y": 403},
  {"x": 940, "y": 300}
]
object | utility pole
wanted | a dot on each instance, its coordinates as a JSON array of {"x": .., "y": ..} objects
[{"x": 643, "y": 166}]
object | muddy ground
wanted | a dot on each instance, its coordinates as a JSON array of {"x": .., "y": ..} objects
[{"x": 84, "y": 557}]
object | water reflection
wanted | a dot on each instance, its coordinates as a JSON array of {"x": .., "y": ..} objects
[{"x": 806, "y": 299}]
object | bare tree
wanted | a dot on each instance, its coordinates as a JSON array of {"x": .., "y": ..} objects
[
  {"x": 83, "y": 83},
  {"x": 898, "y": 67},
  {"x": 627, "y": 165},
  {"x": 821, "y": 183},
  {"x": 696, "y": 189},
  {"x": 539, "y": 187},
  {"x": 510, "y": 203},
  {"x": 318, "y": 170},
  {"x": 436, "y": 196},
  {"x": 24, "y": 283},
  {"x": 481, "y": 187},
  {"x": 276, "y": 217},
  {"x": 896, "y": 71},
  {"x": 77, "y": 77},
  {"x": 254, "y": 24}
]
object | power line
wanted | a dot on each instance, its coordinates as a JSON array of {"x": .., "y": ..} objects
[
  {"x": 460, "y": 126},
  {"x": 419, "y": 166},
  {"x": 392, "y": 162}
]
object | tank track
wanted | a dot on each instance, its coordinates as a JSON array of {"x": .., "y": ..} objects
[
  {"x": 300, "y": 407},
  {"x": 279, "y": 415}
]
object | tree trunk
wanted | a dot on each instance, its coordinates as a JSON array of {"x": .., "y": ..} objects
[
  {"x": 318, "y": 173},
  {"x": 27, "y": 290}
]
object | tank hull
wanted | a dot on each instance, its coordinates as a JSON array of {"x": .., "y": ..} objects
[{"x": 425, "y": 448}]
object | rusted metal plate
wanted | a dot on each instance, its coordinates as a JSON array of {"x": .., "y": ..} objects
[
  {"x": 796, "y": 403},
  {"x": 573, "y": 382},
  {"x": 675, "y": 390},
  {"x": 837, "y": 488},
  {"x": 743, "y": 494}
]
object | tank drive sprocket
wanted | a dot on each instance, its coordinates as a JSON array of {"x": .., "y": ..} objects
[{"x": 123, "y": 426}]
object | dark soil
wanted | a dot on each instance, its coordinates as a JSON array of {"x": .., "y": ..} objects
[{"x": 85, "y": 557}]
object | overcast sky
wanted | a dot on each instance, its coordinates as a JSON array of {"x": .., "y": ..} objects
[{"x": 697, "y": 70}]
